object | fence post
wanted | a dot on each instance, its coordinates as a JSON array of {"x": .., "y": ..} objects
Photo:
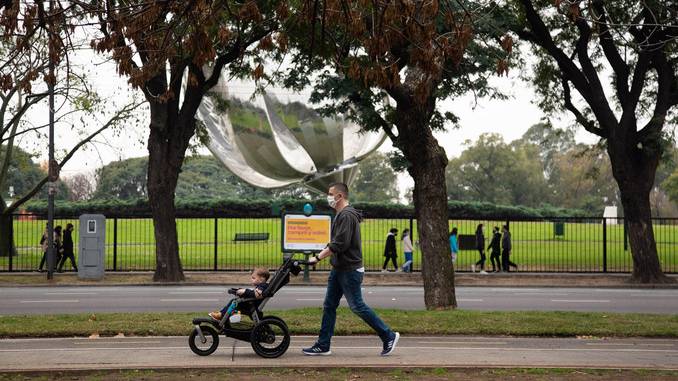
[
  {"x": 604, "y": 245},
  {"x": 10, "y": 240},
  {"x": 115, "y": 244},
  {"x": 626, "y": 239},
  {"x": 216, "y": 241}
]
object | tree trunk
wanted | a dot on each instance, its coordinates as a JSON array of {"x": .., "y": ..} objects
[
  {"x": 7, "y": 247},
  {"x": 166, "y": 148},
  {"x": 427, "y": 167},
  {"x": 634, "y": 171}
]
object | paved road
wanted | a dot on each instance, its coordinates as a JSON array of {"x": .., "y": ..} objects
[
  {"x": 360, "y": 351},
  {"x": 34, "y": 300}
]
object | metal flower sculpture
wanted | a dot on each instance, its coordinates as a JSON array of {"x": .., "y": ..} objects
[{"x": 270, "y": 144}]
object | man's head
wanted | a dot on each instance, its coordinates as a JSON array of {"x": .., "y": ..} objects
[
  {"x": 337, "y": 196},
  {"x": 394, "y": 231},
  {"x": 259, "y": 275},
  {"x": 69, "y": 227},
  {"x": 505, "y": 228}
]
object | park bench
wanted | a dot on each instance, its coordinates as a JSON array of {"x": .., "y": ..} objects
[{"x": 245, "y": 237}]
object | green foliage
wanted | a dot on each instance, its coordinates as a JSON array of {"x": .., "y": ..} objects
[
  {"x": 24, "y": 174},
  {"x": 240, "y": 207},
  {"x": 376, "y": 180}
]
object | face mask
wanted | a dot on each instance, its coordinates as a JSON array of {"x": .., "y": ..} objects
[{"x": 331, "y": 201}]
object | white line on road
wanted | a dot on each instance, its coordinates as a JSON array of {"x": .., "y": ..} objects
[
  {"x": 469, "y": 300},
  {"x": 541, "y": 293},
  {"x": 70, "y": 293},
  {"x": 579, "y": 301},
  {"x": 632, "y": 344},
  {"x": 309, "y": 300},
  {"x": 502, "y": 349},
  {"x": 189, "y": 300},
  {"x": 194, "y": 292},
  {"x": 463, "y": 342},
  {"x": 51, "y": 301}
]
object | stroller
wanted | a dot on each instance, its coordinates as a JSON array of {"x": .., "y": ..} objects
[{"x": 267, "y": 334}]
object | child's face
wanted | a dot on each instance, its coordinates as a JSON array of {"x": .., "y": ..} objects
[{"x": 257, "y": 279}]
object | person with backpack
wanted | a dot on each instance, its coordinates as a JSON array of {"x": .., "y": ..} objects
[
  {"x": 67, "y": 247},
  {"x": 495, "y": 246}
]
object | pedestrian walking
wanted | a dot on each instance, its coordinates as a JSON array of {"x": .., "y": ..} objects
[
  {"x": 480, "y": 246},
  {"x": 390, "y": 250},
  {"x": 495, "y": 247},
  {"x": 506, "y": 250},
  {"x": 454, "y": 245},
  {"x": 67, "y": 243},
  {"x": 407, "y": 250},
  {"x": 346, "y": 276}
]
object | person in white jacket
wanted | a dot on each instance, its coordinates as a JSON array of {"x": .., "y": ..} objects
[{"x": 407, "y": 249}]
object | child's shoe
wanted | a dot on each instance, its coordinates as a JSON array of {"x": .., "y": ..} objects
[{"x": 216, "y": 315}]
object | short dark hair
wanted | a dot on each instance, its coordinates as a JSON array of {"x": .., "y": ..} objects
[
  {"x": 341, "y": 188},
  {"x": 393, "y": 230},
  {"x": 69, "y": 225}
]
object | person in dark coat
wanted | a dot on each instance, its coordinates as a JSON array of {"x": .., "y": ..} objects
[
  {"x": 67, "y": 242},
  {"x": 506, "y": 250},
  {"x": 480, "y": 246},
  {"x": 495, "y": 247},
  {"x": 390, "y": 249}
]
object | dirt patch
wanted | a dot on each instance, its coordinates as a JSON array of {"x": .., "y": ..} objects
[{"x": 434, "y": 374}]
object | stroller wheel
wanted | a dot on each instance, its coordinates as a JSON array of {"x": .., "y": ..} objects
[
  {"x": 270, "y": 338},
  {"x": 211, "y": 341}
]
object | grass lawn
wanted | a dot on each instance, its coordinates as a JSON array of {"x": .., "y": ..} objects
[
  {"x": 406, "y": 374},
  {"x": 307, "y": 321},
  {"x": 206, "y": 241}
]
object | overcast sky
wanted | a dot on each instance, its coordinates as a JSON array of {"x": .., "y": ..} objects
[{"x": 510, "y": 118}]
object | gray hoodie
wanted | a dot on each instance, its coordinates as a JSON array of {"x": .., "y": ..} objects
[{"x": 346, "y": 244}]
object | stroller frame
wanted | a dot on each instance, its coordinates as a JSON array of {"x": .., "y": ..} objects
[{"x": 269, "y": 336}]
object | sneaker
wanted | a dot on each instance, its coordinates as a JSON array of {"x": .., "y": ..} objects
[
  {"x": 390, "y": 346},
  {"x": 384, "y": 270},
  {"x": 473, "y": 268},
  {"x": 483, "y": 272},
  {"x": 315, "y": 350},
  {"x": 216, "y": 315}
]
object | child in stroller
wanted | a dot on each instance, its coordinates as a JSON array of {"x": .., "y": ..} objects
[
  {"x": 268, "y": 334},
  {"x": 259, "y": 277}
]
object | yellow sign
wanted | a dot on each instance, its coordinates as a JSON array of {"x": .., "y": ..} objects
[{"x": 306, "y": 233}]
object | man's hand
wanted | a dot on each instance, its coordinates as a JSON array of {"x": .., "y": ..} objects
[
  {"x": 312, "y": 260},
  {"x": 240, "y": 292}
]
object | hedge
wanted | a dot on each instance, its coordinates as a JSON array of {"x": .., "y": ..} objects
[{"x": 268, "y": 208}]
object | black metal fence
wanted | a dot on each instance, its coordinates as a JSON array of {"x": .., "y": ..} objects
[{"x": 209, "y": 243}]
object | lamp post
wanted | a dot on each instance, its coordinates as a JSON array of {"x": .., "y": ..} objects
[{"x": 52, "y": 172}]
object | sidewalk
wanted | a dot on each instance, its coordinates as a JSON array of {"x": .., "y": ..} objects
[
  {"x": 347, "y": 351},
  {"x": 513, "y": 279}
]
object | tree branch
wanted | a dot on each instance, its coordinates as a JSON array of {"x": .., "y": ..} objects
[
  {"x": 618, "y": 65},
  {"x": 122, "y": 114},
  {"x": 588, "y": 125}
]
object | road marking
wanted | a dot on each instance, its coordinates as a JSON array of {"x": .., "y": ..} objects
[
  {"x": 89, "y": 342},
  {"x": 632, "y": 344},
  {"x": 463, "y": 342},
  {"x": 195, "y": 292},
  {"x": 541, "y": 293},
  {"x": 469, "y": 300},
  {"x": 70, "y": 293},
  {"x": 189, "y": 300},
  {"x": 309, "y": 300},
  {"x": 579, "y": 301},
  {"x": 51, "y": 301},
  {"x": 501, "y": 349}
]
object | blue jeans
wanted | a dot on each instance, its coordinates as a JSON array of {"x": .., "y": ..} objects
[
  {"x": 407, "y": 266},
  {"x": 347, "y": 283}
]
